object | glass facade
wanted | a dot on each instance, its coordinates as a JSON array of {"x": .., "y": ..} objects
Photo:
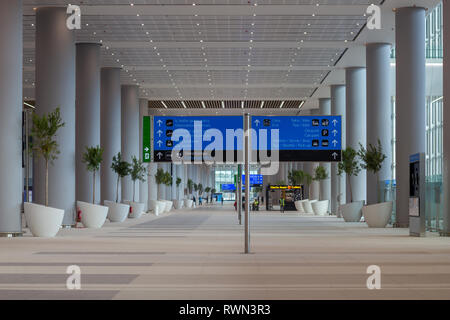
[{"x": 225, "y": 175}]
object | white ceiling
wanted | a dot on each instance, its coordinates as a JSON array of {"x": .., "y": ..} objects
[{"x": 225, "y": 49}]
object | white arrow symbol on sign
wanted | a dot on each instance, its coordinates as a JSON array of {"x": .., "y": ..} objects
[
  {"x": 335, "y": 132},
  {"x": 334, "y": 143},
  {"x": 335, "y": 122},
  {"x": 159, "y": 143},
  {"x": 257, "y": 122},
  {"x": 146, "y": 149},
  {"x": 334, "y": 154},
  {"x": 159, "y": 132},
  {"x": 159, "y": 122},
  {"x": 159, "y": 154}
]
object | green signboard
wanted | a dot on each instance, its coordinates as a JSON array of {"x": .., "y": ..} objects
[{"x": 146, "y": 139}]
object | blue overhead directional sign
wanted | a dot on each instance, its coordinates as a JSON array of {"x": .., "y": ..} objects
[
  {"x": 202, "y": 131},
  {"x": 255, "y": 179},
  {"x": 302, "y": 138}
]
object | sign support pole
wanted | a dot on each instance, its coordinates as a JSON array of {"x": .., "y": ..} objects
[
  {"x": 239, "y": 192},
  {"x": 247, "y": 144}
]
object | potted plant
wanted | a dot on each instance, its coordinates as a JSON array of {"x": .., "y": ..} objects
[
  {"x": 92, "y": 215},
  {"x": 168, "y": 183},
  {"x": 43, "y": 220},
  {"x": 207, "y": 190},
  {"x": 213, "y": 191},
  {"x": 351, "y": 212},
  {"x": 118, "y": 212},
  {"x": 137, "y": 173},
  {"x": 178, "y": 203},
  {"x": 320, "y": 207},
  {"x": 190, "y": 186},
  {"x": 160, "y": 181},
  {"x": 376, "y": 215}
]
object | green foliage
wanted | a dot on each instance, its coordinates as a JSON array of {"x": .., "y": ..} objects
[
  {"x": 120, "y": 167},
  {"x": 137, "y": 169},
  {"x": 320, "y": 173},
  {"x": 44, "y": 132},
  {"x": 167, "y": 179},
  {"x": 93, "y": 157},
  {"x": 178, "y": 181},
  {"x": 296, "y": 177},
  {"x": 213, "y": 190},
  {"x": 190, "y": 185},
  {"x": 195, "y": 187},
  {"x": 372, "y": 157},
  {"x": 257, "y": 189},
  {"x": 200, "y": 188},
  {"x": 308, "y": 179},
  {"x": 349, "y": 164},
  {"x": 281, "y": 183},
  {"x": 207, "y": 189},
  {"x": 160, "y": 176},
  {"x": 44, "y": 143}
]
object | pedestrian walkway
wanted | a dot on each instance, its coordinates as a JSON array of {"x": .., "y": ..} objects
[{"x": 197, "y": 254}]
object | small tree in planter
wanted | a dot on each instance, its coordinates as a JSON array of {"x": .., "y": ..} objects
[
  {"x": 44, "y": 133},
  {"x": 207, "y": 190},
  {"x": 190, "y": 186},
  {"x": 320, "y": 173},
  {"x": 350, "y": 166},
  {"x": 160, "y": 176},
  {"x": 200, "y": 189},
  {"x": 167, "y": 179},
  {"x": 372, "y": 160},
  {"x": 121, "y": 168},
  {"x": 93, "y": 157},
  {"x": 137, "y": 172}
]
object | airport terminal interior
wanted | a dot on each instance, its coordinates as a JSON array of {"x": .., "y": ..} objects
[{"x": 131, "y": 129}]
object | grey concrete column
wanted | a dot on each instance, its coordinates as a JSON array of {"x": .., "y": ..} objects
[
  {"x": 338, "y": 192},
  {"x": 378, "y": 121},
  {"x": 87, "y": 116},
  {"x": 325, "y": 185},
  {"x": 152, "y": 186},
  {"x": 410, "y": 99},
  {"x": 130, "y": 134},
  {"x": 355, "y": 79},
  {"x": 143, "y": 186},
  {"x": 174, "y": 191},
  {"x": 11, "y": 55},
  {"x": 110, "y": 132},
  {"x": 169, "y": 188},
  {"x": 55, "y": 87},
  {"x": 180, "y": 188},
  {"x": 446, "y": 117},
  {"x": 161, "y": 187}
]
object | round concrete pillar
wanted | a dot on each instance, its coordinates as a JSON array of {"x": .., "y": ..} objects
[
  {"x": 410, "y": 100},
  {"x": 379, "y": 118},
  {"x": 11, "y": 53},
  {"x": 338, "y": 192},
  {"x": 55, "y": 87},
  {"x": 143, "y": 186},
  {"x": 87, "y": 116},
  {"x": 110, "y": 132},
  {"x": 355, "y": 79},
  {"x": 130, "y": 134}
]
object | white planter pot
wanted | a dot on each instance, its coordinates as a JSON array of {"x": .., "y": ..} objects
[
  {"x": 188, "y": 203},
  {"x": 377, "y": 215},
  {"x": 307, "y": 206},
  {"x": 168, "y": 204},
  {"x": 137, "y": 209},
  {"x": 178, "y": 204},
  {"x": 43, "y": 221},
  {"x": 92, "y": 215},
  {"x": 118, "y": 212},
  {"x": 320, "y": 208},
  {"x": 299, "y": 205},
  {"x": 352, "y": 212}
]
